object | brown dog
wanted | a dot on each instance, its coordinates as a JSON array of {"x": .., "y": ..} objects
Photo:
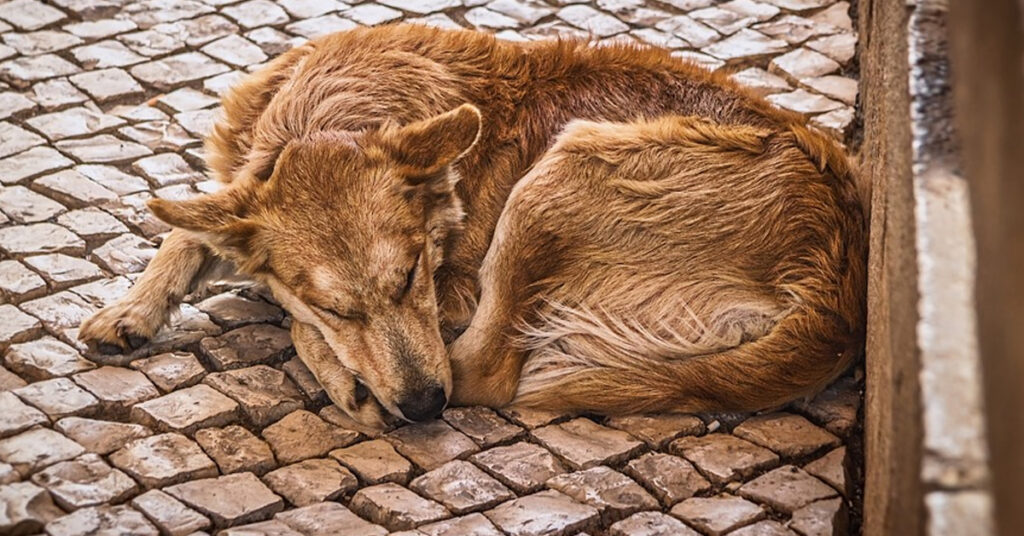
[{"x": 608, "y": 228}]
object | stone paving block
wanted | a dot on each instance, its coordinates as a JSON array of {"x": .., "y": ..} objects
[
  {"x": 306, "y": 381},
  {"x": 103, "y": 292},
  {"x": 37, "y": 449},
  {"x": 795, "y": 30},
  {"x": 524, "y": 467},
  {"x": 57, "y": 94},
  {"x": 583, "y": 444},
  {"x": 92, "y": 224},
  {"x": 15, "y": 139},
  {"x": 102, "y": 520},
  {"x": 670, "y": 478},
  {"x": 25, "y": 206},
  {"x": 102, "y": 149},
  {"x": 8, "y": 474},
  {"x": 59, "y": 397},
  {"x": 125, "y": 254},
  {"x": 833, "y": 469},
  {"x": 723, "y": 458},
  {"x": 73, "y": 189},
  {"x": 328, "y": 519},
  {"x": 166, "y": 169},
  {"x": 159, "y": 135},
  {"x": 188, "y": 326},
  {"x": 311, "y": 481},
  {"x": 22, "y": 71},
  {"x": 836, "y": 407},
  {"x": 162, "y": 460},
  {"x": 312, "y": 28},
  {"x": 483, "y": 18},
  {"x": 10, "y": 381},
  {"x": 658, "y": 430},
  {"x": 73, "y": 122},
  {"x": 246, "y": 346},
  {"x": 33, "y": 162},
  {"x": 591, "y": 20},
  {"x": 186, "y": 410},
  {"x": 113, "y": 179},
  {"x": 650, "y": 524},
  {"x": 839, "y": 47},
  {"x": 198, "y": 122},
  {"x": 171, "y": 371},
  {"x": 375, "y": 462},
  {"x": 265, "y": 394},
  {"x": 461, "y": 487},
  {"x": 152, "y": 43},
  {"x": 431, "y": 444},
  {"x": 198, "y": 31},
  {"x": 106, "y": 54},
  {"x": 745, "y": 46},
  {"x": 117, "y": 388},
  {"x": 469, "y": 525},
  {"x": 16, "y": 326},
  {"x": 169, "y": 514},
  {"x": 786, "y": 489},
  {"x": 395, "y": 507},
  {"x": 764, "y": 528},
  {"x": 12, "y": 103},
  {"x": 791, "y": 436},
  {"x": 27, "y": 15},
  {"x": 85, "y": 481},
  {"x": 236, "y": 450},
  {"x": 373, "y": 14},
  {"x": 39, "y": 238},
  {"x": 802, "y": 63},
  {"x": 236, "y": 51},
  {"x": 255, "y": 13},
  {"x": 231, "y": 311},
  {"x": 18, "y": 283},
  {"x": 822, "y": 518},
  {"x": 229, "y": 500},
  {"x": 25, "y": 508},
  {"x": 614, "y": 495},
  {"x": 482, "y": 425},
  {"x": 717, "y": 515},
  {"x": 274, "y": 527},
  {"x": 544, "y": 513},
  {"x": 16, "y": 416},
  {"x": 100, "y": 437},
  {"x": 98, "y": 29},
  {"x": 531, "y": 418},
  {"x": 301, "y": 435},
  {"x": 60, "y": 311},
  {"x": 106, "y": 85}
]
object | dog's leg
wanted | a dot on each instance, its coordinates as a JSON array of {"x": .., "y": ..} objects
[
  {"x": 134, "y": 319},
  {"x": 341, "y": 386}
]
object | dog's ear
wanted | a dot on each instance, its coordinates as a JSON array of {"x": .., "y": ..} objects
[
  {"x": 217, "y": 218},
  {"x": 426, "y": 147}
]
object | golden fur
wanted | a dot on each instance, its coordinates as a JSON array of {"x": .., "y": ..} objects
[{"x": 607, "y": 228}]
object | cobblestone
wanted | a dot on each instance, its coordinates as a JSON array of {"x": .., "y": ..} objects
[
  {"x": 103, "y": 105},
  {"x": 395, "y": 507}
]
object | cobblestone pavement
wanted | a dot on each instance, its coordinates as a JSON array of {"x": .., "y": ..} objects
[{"x": 102, "y": 106}]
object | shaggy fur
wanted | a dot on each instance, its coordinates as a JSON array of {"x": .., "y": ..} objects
[{"x": 607, "y": 228}]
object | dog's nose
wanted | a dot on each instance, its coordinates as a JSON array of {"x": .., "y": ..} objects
[{"x": 424, "y": 405}]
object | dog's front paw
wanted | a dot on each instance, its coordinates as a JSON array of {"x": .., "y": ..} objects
[
  {"x": 473, "y": 386},
  {"x": 123, "y": 326}
]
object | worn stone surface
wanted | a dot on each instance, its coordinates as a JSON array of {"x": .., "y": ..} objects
[
  {"x": 790, "y": 436},
  {"x": 611, "y": 492},
  {"x": 723, "y": 458},
  {"x": 461, "y": 487},
  {"x": 236, "y": 450},
  {"x": 583, "y": 443},
  {"x": 229, "y": 500},
  {"x": 85, "y": 481},
  {"x": 186, "y": 410},
  {"x": 825, "y": 518},
  {"x": 311, "y": 481},
  {"x": 375, "y": 462},
  {"x": 717, "y": 515},
  {"x": 102, "y": 520},
  {"x": 170, "y": 515},
  {"x": 302, "y": 435},
  {"x": 546, "y": 512},
  {"x": 524, "y": 467},
  {"x": 162, "y": 460},
  {"x": 25, "y": 508},
  {"x": 431, "y": 444},
  {"x": 786, "y": 489},
  {"x": 103, "y": 106},
  {"x": 395, "y": 507},
  {"x": 670, "y": 478}
]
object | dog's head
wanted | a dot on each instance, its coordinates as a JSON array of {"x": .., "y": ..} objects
[{"x": 347, "y": 229}]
